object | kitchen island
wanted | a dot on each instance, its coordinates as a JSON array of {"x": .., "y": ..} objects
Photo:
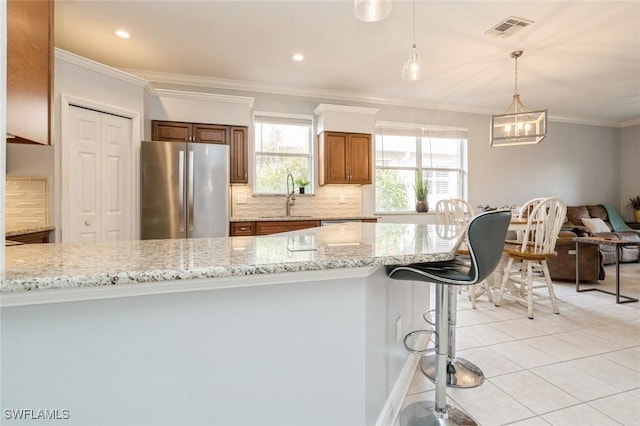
[{"x": 288, "y": 329}]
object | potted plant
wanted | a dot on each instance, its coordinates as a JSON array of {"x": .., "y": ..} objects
[
  {"x": 421, "y": 189},
  {"x": 302, "y": 183},
  {"x": 634, "y": 203}
]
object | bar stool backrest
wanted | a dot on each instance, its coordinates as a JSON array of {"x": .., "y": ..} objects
[{"x": 485, "y": 237}]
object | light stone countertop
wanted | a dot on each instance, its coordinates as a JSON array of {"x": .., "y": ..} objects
[
  {"x": 276, "y": 218},
  {"x": 349, "y": 245}
]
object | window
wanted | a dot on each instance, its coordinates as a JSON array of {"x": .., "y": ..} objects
[
  {"x": 283, "y": 145},
  {"x": 405, "y": 152}
]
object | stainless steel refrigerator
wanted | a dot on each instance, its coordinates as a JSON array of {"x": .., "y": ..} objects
[{"x": 185, "y": 190}]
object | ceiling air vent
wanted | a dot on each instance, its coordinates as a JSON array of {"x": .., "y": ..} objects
[{"x": 509, "y": 27}]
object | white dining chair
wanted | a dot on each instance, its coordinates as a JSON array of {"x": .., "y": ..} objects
[{"x": 526, "y": 269}]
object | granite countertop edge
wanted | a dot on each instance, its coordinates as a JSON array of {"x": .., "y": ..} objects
[
  {"x": 12, "y": 285},
  {"x": 298, "y": 218}
]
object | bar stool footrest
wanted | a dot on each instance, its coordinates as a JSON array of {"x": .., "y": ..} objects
[
  {"x": 416, "y": 333},
  {"x": 461, "y": 373}
]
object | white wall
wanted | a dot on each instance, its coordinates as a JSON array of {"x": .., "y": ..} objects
[
  {"x": 578, "y": 163},
  {"x": 629, "y": 168}
]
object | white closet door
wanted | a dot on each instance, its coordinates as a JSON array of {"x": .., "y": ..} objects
[{"x": 98, "y": 176}]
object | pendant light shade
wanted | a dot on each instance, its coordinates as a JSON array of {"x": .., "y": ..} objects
[
  {"x": 518, "y": 125},
  {"x": 414, "y": 69},
  {"x": 372, "y": 10}
]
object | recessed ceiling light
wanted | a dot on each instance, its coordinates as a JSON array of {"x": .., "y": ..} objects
[
  {"x": 298, "y": 57},
  {"x": 122, "y": 33}
]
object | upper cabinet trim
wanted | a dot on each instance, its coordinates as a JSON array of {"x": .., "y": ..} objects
[
  {"x": 344, "y": 108},
  {"x": 180, "y": 94}
]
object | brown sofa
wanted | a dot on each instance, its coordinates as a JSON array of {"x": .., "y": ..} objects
[{"x": 592, "y": 256}]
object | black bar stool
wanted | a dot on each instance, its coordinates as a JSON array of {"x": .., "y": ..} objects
[{"x": 485, "y": 238}]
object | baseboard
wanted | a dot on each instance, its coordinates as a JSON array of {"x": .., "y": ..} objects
[{"x": 394, "y": 402}]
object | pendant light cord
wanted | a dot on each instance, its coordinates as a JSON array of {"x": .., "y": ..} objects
[
  {"x": 414, "y": 23},
  {"x": 516, "y": 87}
]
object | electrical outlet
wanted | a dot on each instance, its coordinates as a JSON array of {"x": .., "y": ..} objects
[
  {"x": 398, "y": 329},
  {"x": 241, "y": 199},
  {"x": 341, "y": 198}
]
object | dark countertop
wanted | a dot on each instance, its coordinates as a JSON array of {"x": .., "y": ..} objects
[{"x": 15, "y": 232}]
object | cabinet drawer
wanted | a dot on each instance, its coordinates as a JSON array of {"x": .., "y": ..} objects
[{"x": 242, "y": 228}]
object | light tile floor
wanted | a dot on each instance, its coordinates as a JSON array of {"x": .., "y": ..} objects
[{"x": 579, "y": 368}]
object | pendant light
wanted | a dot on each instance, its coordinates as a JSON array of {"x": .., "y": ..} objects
[
  {"x": 414, "y": 69},
  {"x": 372, "y": 10},
  {"x": 518, "y": 126}
]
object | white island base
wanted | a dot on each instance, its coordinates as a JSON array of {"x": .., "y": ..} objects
[{"x": 303, "y": 348}]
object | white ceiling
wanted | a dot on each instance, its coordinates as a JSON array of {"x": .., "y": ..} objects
[{"x": 581, "y": 59}]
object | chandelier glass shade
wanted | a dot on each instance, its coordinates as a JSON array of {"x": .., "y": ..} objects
[
  {"x": 518, "y": 125},
  {"x": 372, "y": 10}
]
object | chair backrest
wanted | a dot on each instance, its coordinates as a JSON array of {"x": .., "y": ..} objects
[
  {"x": 544, "y": 222},
  {"x": 453, "y": 212},
  {"x": 485, "y": 238}
]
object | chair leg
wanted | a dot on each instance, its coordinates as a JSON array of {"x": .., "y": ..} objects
[
  {"x": 529, "y": 286},
  {"x": 552, "y": 293},
  {"x": 472, "y": 293},
  {"x": 487, "y": 286},
  {"x": 503, "y": 284}
]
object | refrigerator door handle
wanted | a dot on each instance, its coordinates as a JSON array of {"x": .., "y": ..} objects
[
  {"x": 190, "y": 195},
  {"x": 181, "y": 187}
]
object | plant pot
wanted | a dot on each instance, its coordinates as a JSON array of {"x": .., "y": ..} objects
[
  {"x": 302, "y": 189},
  {"x": 422, "y": 206},
  {"x": 637, "y": 214}
]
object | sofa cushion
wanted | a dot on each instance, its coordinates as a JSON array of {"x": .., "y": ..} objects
[
  {"x": 595, "y": 225},
  {"x": 598, "y": 211},
  {"x": 575, "y": 214}
]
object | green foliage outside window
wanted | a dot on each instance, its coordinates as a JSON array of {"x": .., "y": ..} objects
[{"x": 391, "y": 192}]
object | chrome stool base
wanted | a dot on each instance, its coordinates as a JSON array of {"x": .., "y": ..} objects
[
  {"x": 460, "y": 372},
  {"x": 423, "y": 413}
]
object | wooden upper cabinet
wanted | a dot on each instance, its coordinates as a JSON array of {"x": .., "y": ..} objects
[
  {"x": 239, "y": 155},
  {"x": 345, "y": 158},
  {"x": 29, "y": 70},
  {"x": 176, "y": 131}
]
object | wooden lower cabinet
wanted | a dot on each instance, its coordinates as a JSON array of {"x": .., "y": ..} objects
[{"x": 267, "y": 228}]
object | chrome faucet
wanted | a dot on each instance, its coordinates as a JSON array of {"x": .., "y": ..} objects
[{"x": 291, "y": 198}]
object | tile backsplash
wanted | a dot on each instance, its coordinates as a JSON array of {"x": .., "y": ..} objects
[
  {"x": 328, "y": 201},
  {"x": 26, "y": 203}
]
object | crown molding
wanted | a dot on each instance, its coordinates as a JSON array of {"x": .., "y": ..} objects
[
  {"x": 322, "y": 108},
  {"x": 181, "y": 94},
  {"x": 119, "y": 74},
  {"x": 246, "y": 86},
  {"x": 630, "y": 123}
]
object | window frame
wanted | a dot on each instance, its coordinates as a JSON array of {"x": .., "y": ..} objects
[
  {"x": 283, "y": 118},
  {"x": 420, "y": 132}
]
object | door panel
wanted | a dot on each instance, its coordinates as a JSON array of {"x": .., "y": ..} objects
[
  {"x": 335, "y": 161},
  {"x": 209, "y": 167},
  {"x": 116, "y": 171},
  {"x": 163, "y": 193},
  {"x": 84, "y": 169},
  {"x": 359, "y": 158}
]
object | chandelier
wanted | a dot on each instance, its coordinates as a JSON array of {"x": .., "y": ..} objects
[{"x": 518, "y": 125}]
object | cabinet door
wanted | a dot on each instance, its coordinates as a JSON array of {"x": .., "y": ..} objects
[
  {"x": 239, "y": 155},
  {"x": 335, "y": 157},
  {"x": 29, "y": 70},
  {"x": 210, "y": 133},
  {"x": 171, "y": 131},
  {"x": 359, "y": 159}
]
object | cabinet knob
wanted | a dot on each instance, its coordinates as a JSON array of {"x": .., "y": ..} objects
[{"x": 87, "y": 222}]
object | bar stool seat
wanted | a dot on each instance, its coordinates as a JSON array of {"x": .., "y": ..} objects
[{"x": 485, "y": 236}]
